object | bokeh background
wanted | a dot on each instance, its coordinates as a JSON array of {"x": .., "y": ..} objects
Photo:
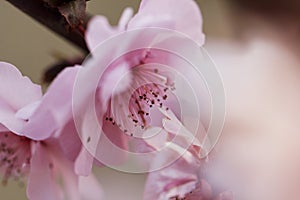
[{"x": 258, "y": 57}]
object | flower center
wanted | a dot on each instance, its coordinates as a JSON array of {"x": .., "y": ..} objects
[
  {"x": 14, "y": 156},
  {"x": 130, "y": 110}
]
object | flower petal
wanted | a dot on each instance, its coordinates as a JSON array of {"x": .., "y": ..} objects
[
  {"x": 113, "y": 145},
  {"x": 41, "y": 183},
  {"x": 9, "y": 120},
  {"x": 181, "y": 135},
  {"x": 69, "y": 141},
  {"x": 183, "y": 16},
  {"x": 84, "y": 163},
  {"x": 156, "y": 137},
  {"x": 125, "y": 18},
  {"x": 177, "y": 179},
  {"x": 68, "y": 177},
  {"x": 16, "y": 92},
  {"x": 26, "y": 112},
  {"x": 98, "y": 30},
  {"x": 55, "y": 109}
]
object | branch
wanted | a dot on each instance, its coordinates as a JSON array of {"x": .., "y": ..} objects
[{"x": 53, "y": 19}]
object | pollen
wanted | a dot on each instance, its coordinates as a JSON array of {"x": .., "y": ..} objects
[{"x": 14, "y": 156}]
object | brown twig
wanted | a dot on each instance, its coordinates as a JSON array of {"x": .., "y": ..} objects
[{"x": 53, "y": 19}]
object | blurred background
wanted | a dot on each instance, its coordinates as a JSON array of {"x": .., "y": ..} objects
[{"x": 255, "y": 45}]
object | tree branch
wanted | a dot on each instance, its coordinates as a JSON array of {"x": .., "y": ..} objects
[{"x": 53, "y": 19}]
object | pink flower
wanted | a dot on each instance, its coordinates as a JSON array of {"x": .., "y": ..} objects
[
  {"x": 33, "y": 148},
  {"x": 179, "y": 171},
  {"x": 129, "y": 88},
  {"x": 183, "y": 179}
]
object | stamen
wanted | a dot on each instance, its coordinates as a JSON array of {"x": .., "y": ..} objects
[{"x": 130, "y": 109}]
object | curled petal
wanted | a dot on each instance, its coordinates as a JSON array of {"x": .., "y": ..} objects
[
  {"x": 16, "y": 92},
  {"x": 15, "y": 89}
]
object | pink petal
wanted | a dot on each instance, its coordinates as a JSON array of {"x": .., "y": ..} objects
[
  {"x": 68, "y": 177},
  {"x": 84, "y": 163},
  {"x": 26, "y": 112},
  {"x": 41, "y": 183},
  {"x": 113, "y": 145},
  {"x": 9, "y": 120},
  {"x": 181, "y": 135},
  {"x": 16, "y": 92},
  {"x": 37, "y": 129},
  {"x": 69, "y": 141},
  {"x": 155, "y": 137},
  {"x": 98, "y": 30},
  {"x": 183, "y": 16},
  {"x": 177, "y": 179},
  {"x": 90, "y": 127},
  {"x": 125, "y": 18},
  {"x": 74, "y": 186},
  {"x": 55, "y": 109}
]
